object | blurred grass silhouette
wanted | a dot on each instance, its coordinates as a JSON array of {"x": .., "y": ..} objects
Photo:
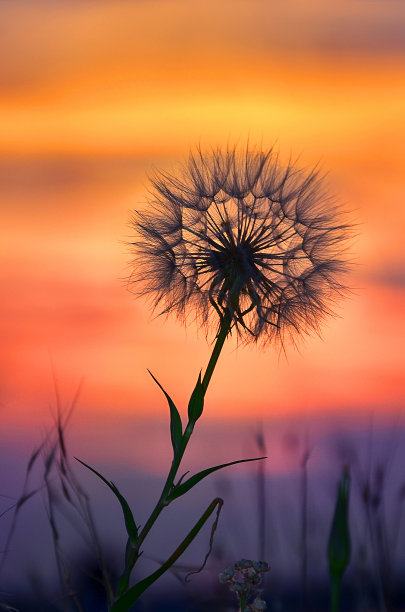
[{"x": 373, "y": 581}]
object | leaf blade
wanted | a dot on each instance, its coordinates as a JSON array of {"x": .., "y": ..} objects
[
  {"x": 124, "y": 603},
  {"x": 339, "y": 544},
  {"x": 196, "y": 403},
  {"x": 129, "y": 520},
  {"x": 176, "y": 426},
  {"x": 182, "y": 488}
]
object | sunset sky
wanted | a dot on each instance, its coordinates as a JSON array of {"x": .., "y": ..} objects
[{"x": 94, "y": 95}]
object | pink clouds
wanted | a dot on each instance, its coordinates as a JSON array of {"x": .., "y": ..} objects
[{"x": 93, "y": 102}]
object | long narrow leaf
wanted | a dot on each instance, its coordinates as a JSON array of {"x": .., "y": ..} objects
[
  {"x": 181, "y": 489},
  {"x": 123, "y": 581},
  {"x": 176, "y": 428},
  {"x": 130, "y": 524},
  {"x": 124, "y": 603},
  {"x": 196, "y": 403}
]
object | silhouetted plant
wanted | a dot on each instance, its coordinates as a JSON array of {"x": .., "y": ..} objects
[
  {"x": 240, "y": 237},
  {"x": 246, "y": 244},
  {"x": 339, "y": 545}
]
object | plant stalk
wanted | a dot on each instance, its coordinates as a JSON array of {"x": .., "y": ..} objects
[
  {"x": 242, "y": 602},
  {"x": 223, "y": 332},
  {"x": 335, "y": 593}
]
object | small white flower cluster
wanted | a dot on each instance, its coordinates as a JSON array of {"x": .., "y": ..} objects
[{"x": 243, "y": 579}]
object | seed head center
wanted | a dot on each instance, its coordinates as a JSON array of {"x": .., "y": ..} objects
[{"x": 235, "y": 262}]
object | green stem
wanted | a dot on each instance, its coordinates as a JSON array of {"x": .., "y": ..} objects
[
  {"x": 166, "y": 489},
  {"x": 223, "y": 332},
  {"x": 242, "y": 602},
  {"x": 335, "y": 593}
]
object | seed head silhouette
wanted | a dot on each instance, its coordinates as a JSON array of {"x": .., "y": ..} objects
[{"x": 237, "y": 235}]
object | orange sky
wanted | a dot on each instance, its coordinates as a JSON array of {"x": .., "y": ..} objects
[{"x": 94, "y": 95}]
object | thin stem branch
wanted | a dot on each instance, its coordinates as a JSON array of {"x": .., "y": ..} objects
[{"x": 242, "y": 602}]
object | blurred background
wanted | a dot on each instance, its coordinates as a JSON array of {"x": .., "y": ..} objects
[{"x": 94, "y": 96}]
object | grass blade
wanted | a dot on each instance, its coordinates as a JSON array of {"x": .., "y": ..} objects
[
  {"x": 176, "y": 428},
  {"x": 339, "y": 544},
  {"x": 182, "y": 488},
  {"x": 196, "y": 403},
  {"x": 124, "y": 603},
  {"x": 130, "y": 525}
]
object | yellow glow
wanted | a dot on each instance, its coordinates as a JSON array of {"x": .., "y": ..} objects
[{"x": 97, "y": 94}]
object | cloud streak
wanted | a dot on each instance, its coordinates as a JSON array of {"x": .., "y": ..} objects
[{"x": 53, "y": 43}]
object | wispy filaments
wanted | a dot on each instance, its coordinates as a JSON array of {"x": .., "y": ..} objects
[{"x": 236, "y": 235}]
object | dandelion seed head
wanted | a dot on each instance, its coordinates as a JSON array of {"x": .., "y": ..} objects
[{"x": 238, "y": 235}]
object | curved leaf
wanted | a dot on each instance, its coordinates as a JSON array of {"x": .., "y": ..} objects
[
  {"x": 124, "y": 603},
  {"x": 182, "y": 488},
  {"x": 176, "y": 428},
  {"x": 130, "y": 525},
  {"x": 196, "y": 403},
  {"x": 339, "y": 544}
]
